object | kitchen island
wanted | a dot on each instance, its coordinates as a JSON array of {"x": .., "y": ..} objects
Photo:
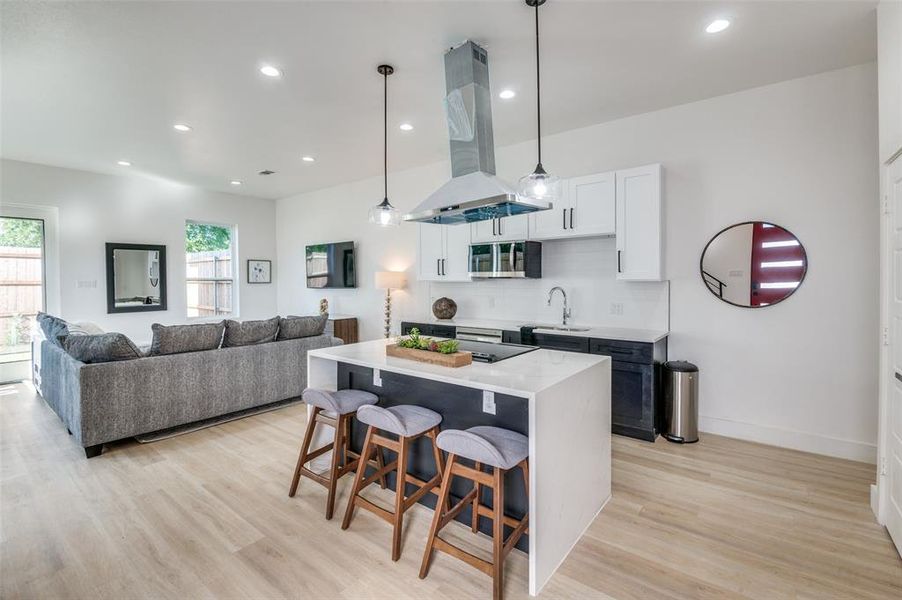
[{"x": 560, "y": 400}]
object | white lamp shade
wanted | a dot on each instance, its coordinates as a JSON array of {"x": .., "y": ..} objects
[{"x": 390, "y": 280}]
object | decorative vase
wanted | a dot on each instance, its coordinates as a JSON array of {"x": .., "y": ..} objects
[{"x": 444, "y": 308}]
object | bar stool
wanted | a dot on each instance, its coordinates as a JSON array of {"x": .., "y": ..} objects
[
  {"x": 408, "y": 423},
  {"x": 334, "y": 409},
  {"x": 495, "y": 447}
]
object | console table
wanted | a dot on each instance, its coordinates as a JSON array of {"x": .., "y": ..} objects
[{"x": 343, "y": 327}]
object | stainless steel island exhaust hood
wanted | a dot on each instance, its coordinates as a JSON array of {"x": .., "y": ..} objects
[{"x": 474, "y": 193}]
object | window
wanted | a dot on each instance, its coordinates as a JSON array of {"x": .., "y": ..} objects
[{"x": 210, "y": 261}]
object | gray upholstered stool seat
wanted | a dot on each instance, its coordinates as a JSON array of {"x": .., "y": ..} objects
[
  {"x": 405, "y": 420},
  {"x": 341, "y": 402},
  {"x": 493, "y": 446}
]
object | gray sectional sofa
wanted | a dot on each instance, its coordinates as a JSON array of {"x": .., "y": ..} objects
[{"x": 106, "y": 401}]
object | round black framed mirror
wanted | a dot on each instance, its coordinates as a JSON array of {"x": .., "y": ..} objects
[{"x": 753, "y": 264}]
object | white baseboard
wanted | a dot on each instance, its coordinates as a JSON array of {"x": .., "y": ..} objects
[{"x": 787, "y": 438}]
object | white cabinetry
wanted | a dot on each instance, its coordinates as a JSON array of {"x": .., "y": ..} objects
[
  {"x": 505, "y": 229},
  {"x": 443, "y": 252},
  {"x": 586, "y": 209},
  {"x": 639, "y": 224}
]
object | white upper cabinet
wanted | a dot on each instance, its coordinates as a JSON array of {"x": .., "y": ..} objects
[
  {"x": 639, "y": 224},
  {"x": 505, "y": 229},
  {"x": 443, "y": 252},
  {"x": 587, "y": 209},
  {"x": 591, "y": 205}
]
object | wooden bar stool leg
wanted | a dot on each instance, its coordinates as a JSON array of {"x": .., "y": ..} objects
[
  {"x": 380, "y": 462},
  {"x": 498, "y": 534},
  {"x": 475, "y": 524},
  {"x": 302, "y": 456},
  {"x": 358, "y": 476},
  {"x": 437, "y": 516},
  {"x": 439, "y": 460},
  {"x": 333, "y": 469},
  {"x": 401, "y": 477}
]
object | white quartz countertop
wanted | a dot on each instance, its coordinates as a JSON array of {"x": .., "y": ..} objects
[
  {"x": 523, "y": 375},
  {"x": 608, "y": 333}
]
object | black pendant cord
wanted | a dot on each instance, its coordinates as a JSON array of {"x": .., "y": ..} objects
[
  {"x": 385, "y": 134},
  {"x": 538, "y": 95}
]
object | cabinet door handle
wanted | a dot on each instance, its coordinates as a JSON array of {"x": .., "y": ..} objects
[
  {"x": 571, "y": 218},
  {"x": 618, "y": 262},
  {"x": 564, "y": 215},
  {"x": 438, "y": 266},
  {"x": 499, "y": 226},
  {"x": 443, "y": 267},
  {"x": 493, "y": 227}
]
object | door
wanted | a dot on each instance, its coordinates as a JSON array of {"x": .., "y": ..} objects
[
  {"x": 591, "y": 210},
  {"x": 639, "y": 232},
  {"x": 891, "y": 416},
  {"x": 22, "y": 292},
  {"x": 431, "y": 250},
  {"x": 513, "y": 229},
  {"x": 552, "y": 223},
  {"x": 457, "y": 250}
]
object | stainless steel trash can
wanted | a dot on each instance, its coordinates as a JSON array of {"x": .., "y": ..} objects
[{"x": 681, "y": 401}]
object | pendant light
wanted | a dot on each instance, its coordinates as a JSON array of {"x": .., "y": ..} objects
[
  {"x": 539, "y": 185},
  {"x": 384, "y": 214}
]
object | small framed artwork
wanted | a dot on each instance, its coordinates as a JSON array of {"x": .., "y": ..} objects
[{"x": 259, "y": 271}]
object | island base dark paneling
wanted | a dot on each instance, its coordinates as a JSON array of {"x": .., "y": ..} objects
[{"x": 461, "y": 408}]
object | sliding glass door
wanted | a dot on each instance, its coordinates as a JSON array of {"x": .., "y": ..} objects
[{"x": 22, "y": 292}]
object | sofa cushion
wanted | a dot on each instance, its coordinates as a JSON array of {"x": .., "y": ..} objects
[
  {"x": 105, "y": 347},
  {"x": 53, "y": 327},
  {"x": 175, "y": 339},
  {"x": 293, "y": 327},
  {"x": 248, "y": 333}
]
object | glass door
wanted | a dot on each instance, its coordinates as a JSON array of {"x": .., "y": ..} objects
[{"x": 22, "y": 292}]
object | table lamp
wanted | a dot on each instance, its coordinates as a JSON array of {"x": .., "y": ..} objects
[{"x": 388, "y": 281}]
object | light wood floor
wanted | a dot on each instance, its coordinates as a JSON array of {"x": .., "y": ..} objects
[{"x": 207, "y": 515}]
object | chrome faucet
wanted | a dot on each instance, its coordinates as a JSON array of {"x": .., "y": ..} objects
[{"x": 564, "y": 294}]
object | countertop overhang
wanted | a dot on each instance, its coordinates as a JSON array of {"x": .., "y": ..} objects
[{"x": 524, "y": 375}]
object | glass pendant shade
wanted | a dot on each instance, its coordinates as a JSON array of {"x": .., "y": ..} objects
[
  {"x": 385, "y": 215},
  {"x": 540, "y": 185}
]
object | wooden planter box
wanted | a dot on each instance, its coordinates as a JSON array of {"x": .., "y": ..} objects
[{"x": 458, "y": 359}]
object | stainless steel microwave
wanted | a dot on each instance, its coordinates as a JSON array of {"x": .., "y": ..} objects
[{"x": 506, "y": 260}]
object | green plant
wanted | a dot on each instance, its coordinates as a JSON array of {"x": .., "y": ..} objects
[
  {"x": 417, "y": 342},
  {"x": 200, "y": 237}
]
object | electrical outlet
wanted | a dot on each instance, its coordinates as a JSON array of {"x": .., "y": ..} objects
[
  {"x": 616, "y": 308},
  {"x": 377, "y": 378},
  {"x": 488, "y": 402}
]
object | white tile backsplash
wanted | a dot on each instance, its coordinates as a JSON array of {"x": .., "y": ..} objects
[{"x": 586, "y": 269}]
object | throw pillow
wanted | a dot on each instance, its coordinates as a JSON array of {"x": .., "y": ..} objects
[
  {"x": 294, "y": 327},
  {"x": 106, "y": 347},
  {"x": 53, "y": 327},
  {"x": 176, "y": 339},
  {"x": 248, "y": 333}
]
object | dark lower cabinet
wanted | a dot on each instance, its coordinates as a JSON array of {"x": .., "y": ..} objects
[{"x": 570, "y": 343}]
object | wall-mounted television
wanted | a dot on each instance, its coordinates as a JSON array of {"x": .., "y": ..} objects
[{"x": 331, "y": 266}]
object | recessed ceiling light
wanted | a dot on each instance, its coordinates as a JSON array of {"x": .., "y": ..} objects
[
  {"x": 507, "y": 94},
  {"x": 717, "y": 25},
  {"x": 181, "y": 127},
  {"x": 123, "y": 163},
  {"x": 236, "y": 182},
  {"x": 308, "y": 159},
  {"x": 270, "y": 71},
  {"x": 406, "y": 127}
]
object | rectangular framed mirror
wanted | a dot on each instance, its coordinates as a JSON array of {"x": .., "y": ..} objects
[{"x": 135, "y": 277}]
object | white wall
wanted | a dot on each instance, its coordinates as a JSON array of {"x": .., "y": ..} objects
[
  {"x": 889, "y": 74},
  {"x": 801, "y": 154},
  {"x": 95, "y": 209}
]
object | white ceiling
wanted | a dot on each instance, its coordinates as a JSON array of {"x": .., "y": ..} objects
[{"x": 89, "y": 83}]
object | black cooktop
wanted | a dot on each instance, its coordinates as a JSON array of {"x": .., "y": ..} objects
[{"x": 491, "y": 353}]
